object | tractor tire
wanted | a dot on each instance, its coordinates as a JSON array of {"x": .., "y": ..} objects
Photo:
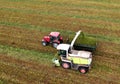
[
  {"x": 66, "y": 65},
  {"x": 44, "y": 43},
  {"x": 83, "y": 70},
  {"x": 55, "y": 45},
  {"x": 61, "y": 41}
]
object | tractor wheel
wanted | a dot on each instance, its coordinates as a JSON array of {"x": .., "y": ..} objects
[
  {"x": 65, "y": 65},
  {"x": 83, "y": 70},
  {"x": 44, "y": 43},
  {"x": 61, "y": 41},
  {"x": 55, "y": 45}
]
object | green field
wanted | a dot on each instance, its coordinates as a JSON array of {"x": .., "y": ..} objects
[{"x": 23, "y": 23}]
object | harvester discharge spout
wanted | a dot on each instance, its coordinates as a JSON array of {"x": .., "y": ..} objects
[{"x": 74, "y": 39}]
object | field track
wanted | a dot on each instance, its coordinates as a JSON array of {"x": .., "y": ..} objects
[{"x": 23, "y": 23}]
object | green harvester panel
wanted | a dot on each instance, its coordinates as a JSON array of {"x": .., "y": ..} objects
[{"x": 77, "y": 60}]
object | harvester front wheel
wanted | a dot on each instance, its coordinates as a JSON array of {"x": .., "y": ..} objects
[{"x": 65, "y": 65}]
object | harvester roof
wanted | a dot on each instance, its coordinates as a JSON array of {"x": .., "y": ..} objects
[{"x": 63, "y": 47}]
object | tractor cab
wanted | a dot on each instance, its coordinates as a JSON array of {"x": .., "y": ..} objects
[{"x": 53, "y": 38}]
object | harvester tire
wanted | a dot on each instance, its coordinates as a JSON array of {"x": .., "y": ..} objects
[
  {"x": 66, "y": 65},
  {"x": 83, "y": 70}
]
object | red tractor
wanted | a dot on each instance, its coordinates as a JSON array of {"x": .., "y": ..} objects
[{"x": 53, "y": 38}]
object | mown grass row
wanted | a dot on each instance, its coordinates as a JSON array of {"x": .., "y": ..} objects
[
  {"x": 67, "y": 34},
  {"x": 44, "y": 75},
  {"x": 71, "y": 13},
  {"x": 45, "y": 59},
  {"x": 52, "y": 10},
  {"x": 32, "y": 76},
  {"x": 31, "y": 39},
  {"x": 101, "y": 64},
  {"x": 45, "y": 14},
  {"x": 103, "y": 28},
  {"x": 74, "y": 13},
  {"x": 98, "y": 19},
  {"x": 98, "y": 4},
  {"x": 28, "y": 55}
]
